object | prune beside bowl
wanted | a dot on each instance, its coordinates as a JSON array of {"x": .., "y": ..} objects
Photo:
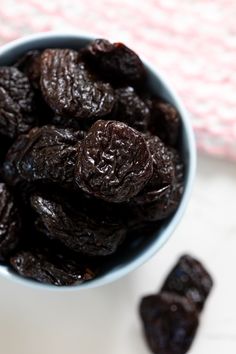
[{"x": 143, "y": 241}]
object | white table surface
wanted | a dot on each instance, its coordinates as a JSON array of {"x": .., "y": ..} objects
[{"x": 105, "y": 320}]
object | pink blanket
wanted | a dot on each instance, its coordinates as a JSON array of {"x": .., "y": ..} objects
[{"x": 192, "y": 41}]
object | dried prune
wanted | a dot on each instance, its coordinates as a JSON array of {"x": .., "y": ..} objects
[
  {"x": 10, "y": 223},
  {"x": 115, "y": 62},
  {"x": 80, "y": 229},
  {"x": 170, "y": 323},
  {"x": 189, "y": 278},
  {"x": 164, "y": 121},
  {"x": 70, "y": 89},
  {"x": 30, "y": 65},
  {"x": 131, "y": 109},
  {"x": 45, "y": 154},
  {"x": 16, "y": 102},
  {"x": 114, "y": 162},
  {"x": 50, "y": 268}
]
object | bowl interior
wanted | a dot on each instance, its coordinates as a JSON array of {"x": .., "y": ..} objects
[{"x": 141, "y": 245}]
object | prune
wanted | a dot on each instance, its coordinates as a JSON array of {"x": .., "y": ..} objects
[
  {"x": 45, "y": 154},
  {"x": 80, "y": 230},
  {"x": 10, "y": 223},
  {"x": 30, "y": 65},
  {"x": 170, "y": 323},
  {"x": 50, "y": 268},
  {"x": 114, "y": 162},
  {"x": 164, "y": 122},
  {"x": 115, "y": 62},
  {"x": 16, "y": 102},
  {"x": 189, "y": 278},
  {"x": 131, "y": 109},
  {"x": 70, "y": 89}
]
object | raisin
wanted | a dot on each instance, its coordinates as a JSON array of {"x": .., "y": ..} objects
[
  {"x": 45, "y": 154},
  {"x": 16, "y": 102},
  {"x": 164, "y": 122},
  {"x": 170, "y": 323},
  {"x": 114, "y": 162},
  {"x": 80, "y": 229},
  {"x": 131, "y": 109},
  {"x": 48, "y": 268},
  {"x": 30, "y": 65},
  {"x": 70, "y": 89},
  {"x": 10, "y": 223},
  {"x": 115, "y": 62},
  {"x": 189, "y": 278}
]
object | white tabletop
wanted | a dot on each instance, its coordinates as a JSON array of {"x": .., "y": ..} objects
[{"x": 105, "y": 320}]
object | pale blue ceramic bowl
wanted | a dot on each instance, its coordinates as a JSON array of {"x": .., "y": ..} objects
[{"x": 144, "y": 248}]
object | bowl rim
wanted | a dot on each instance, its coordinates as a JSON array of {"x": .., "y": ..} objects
[{"x": 190, "y": 174}]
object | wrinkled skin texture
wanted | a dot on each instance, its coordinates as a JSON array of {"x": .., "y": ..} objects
[
  {"x": 164, "y": 122},
  {"x": 30, "y": 65},
  {"x": 114, "y": 162},
  {"x": 189, "y": 278},
  {"x": 70, "y": 89},
  {"x": 170, "y": 323},
  {"x": 16, "y": 102},
  {"x": 45, "y": 154},
  {"x": 48, "y": 268},
  {"x": 115, "y": 62},
  {"x": 132, "y": 109},
  {"x": 80, "y": 230},
  {"x": 10, "y": 223}
]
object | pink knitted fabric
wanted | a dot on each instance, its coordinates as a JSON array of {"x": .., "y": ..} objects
[{"x": 192, "y": 41}]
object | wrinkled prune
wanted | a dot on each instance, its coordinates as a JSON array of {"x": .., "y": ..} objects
[
  {"x": 80, "y": 230},
  {"x": 30, "y": 65},
  {"x": 10, "y": 223},
  {"x": 115, "y": 62},
  {"x": 164, "y": 122},
  {"x": 114, "y": 162},
  {"x": 50, "y": 268},
  {"x": 131, "y": 109},
  {"x": 16, "y": 102},
  {"x": 45, "y": 154},
  {"x": 189, "y": 278},
  {"x": 170, "y": 323},
  {"x": 70, "y": 89}
]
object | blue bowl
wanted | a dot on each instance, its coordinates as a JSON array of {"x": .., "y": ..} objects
[{"x": 143, "y": 248}]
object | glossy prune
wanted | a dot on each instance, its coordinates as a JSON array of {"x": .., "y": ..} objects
[
  {"x": 30, "y": 65},
  {"x": 115, "y": 62},
  {"x": 114, "y": 162},
  {"x": 45, "y": 154},
  {"x": 51, "y": 268},
  {"x": 10, "y": 223},
  {"x": 70, "y": 89},
  {"x": 79, "y": 229},
  {"x": 170, "y": 323},
  {"x": 164, "y": 122},
  {"x": 189, "y": 278},
  {"x": 131, "y": 109},
  {"x": 16, "y": 102}
]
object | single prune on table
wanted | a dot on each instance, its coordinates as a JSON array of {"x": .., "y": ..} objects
[
  {"x": 189, "y": 278},
  {"x": 170, "y": 323},
  {"x": 10, "y": 223},
  {"x": 30, "y": 65},
  {"x": 115, "y": 62},
  {"x": 70, "y": 89},
  {"x": 16, "y": 102},
  {"x": 80, "y": 229},
  {"x": 131, "y": 109},
  {"x": 164, "y": 121},
  {"x": 45, "y": 154},
  {"x": 51, "y": 268},
  {"x": 114, "y": 162}
]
